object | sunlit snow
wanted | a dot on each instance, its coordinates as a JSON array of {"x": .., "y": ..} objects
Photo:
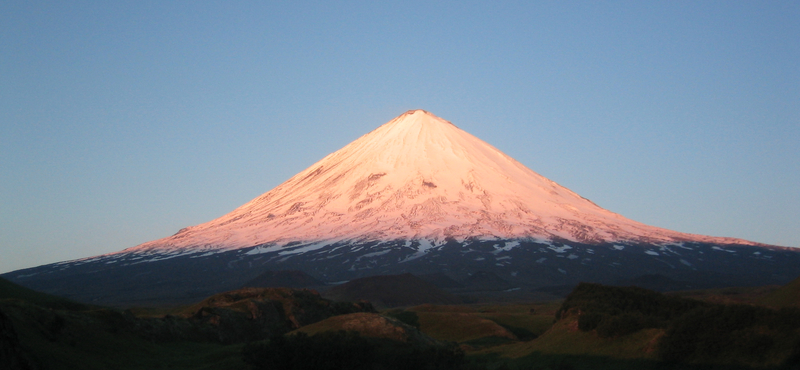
[{"x": 416, "y": 178}]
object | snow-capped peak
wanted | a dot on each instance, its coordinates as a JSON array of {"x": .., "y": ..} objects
[{"x": 417, "y": 177}]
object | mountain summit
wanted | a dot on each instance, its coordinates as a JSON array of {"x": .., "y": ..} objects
[
  {"x": 417, "y": 177},
  {"x": 416, "y": 195}
]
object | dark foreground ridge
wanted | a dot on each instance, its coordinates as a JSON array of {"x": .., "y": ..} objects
[{"x": 597, "y": 327}]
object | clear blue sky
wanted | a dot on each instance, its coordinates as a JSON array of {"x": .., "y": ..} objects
[{"x": 122, "y": 122}]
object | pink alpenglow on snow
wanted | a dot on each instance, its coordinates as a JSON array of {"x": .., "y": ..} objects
[{"x": 417, "y": 177}]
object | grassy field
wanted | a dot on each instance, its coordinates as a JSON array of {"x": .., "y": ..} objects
[{"x": 479, "y": 326}]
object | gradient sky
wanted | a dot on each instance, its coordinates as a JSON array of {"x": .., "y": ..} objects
[{"x": 122, "y": 122}]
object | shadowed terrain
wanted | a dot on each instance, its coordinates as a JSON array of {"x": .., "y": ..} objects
[{"x": 595, "y": 327}]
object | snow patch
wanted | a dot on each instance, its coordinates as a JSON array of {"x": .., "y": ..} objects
[
  {"x": 213, "y": 253},
  {"x": 374, "y": 254},
  {"x": 260, "y": 250},
  {"x": 561, "y": 249},
  {"x": 423, "y": 248},
  {"x": 303, "y": 249},
  {"x": 507, "y": 247}
]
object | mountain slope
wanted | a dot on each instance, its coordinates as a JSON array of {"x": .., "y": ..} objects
[
  {"x": 283, "y": 279},
  {"x": 416, "y": 195},
  {"x": 391, "y": 291}
]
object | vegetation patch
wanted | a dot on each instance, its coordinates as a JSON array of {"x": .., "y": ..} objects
[{"x": 694, "y": 331}]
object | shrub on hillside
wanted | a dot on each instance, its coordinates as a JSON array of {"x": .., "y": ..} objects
[
  {"x": 610, "y": 300},
  {"x": 695, "y": 331},
  {"x": 617, "y": 311},
  {"x": 733, "y": 332}
]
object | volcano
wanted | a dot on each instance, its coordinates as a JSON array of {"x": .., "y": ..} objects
[
  {"x": 416, "y": 178},
  {"x": 419, "y": 195}
]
